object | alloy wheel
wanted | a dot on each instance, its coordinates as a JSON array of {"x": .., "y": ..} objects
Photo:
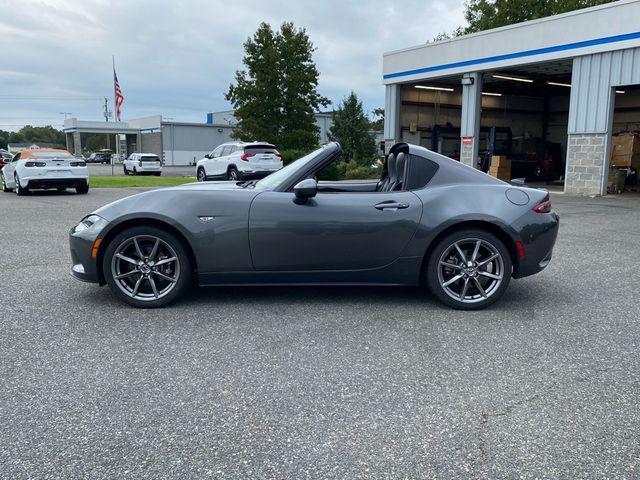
[
  {"x": 145, "y": 267},
  {"x": 233, "y": 175},
  {"x": 471, "y": 270},
  {"x": 201, "y": 175}
]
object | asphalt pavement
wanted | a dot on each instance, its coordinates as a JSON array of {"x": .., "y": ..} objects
[{"x": 320, "y": 382}]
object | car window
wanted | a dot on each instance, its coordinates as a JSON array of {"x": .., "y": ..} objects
[
  {"x": 45, "y": 155},
  {"x": 17, "y": 157},
  {"x": 257, "y": 149},
  {"x": 226, "y": 150},
  {"x": 150, "y": 158},
  {"x": 276, "y": 179},
  {"x": 217, "y": 151}
]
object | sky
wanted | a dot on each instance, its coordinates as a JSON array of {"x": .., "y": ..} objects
[{"x": 177, "y": 59}]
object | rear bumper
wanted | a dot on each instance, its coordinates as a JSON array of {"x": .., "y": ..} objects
[
  {"x": 44, "y": 183},
  {"x": 538, "y": 242},
  {"x": 252, "y": 175}
]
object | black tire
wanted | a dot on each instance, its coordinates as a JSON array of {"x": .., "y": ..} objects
[
  {"x": 135, "y": 172},
  {"x": 233, "y": 174},
  {"x": 4, "y": 185},
  {"x": 19, "y": 189},
  {"x": 124, "y": 168},
  {"x": 157, "y": 174},
  {"x": 184, "y": 266},
  {"x": 201, "y": 175},
  {"x": 82, "y": 189},
  {"x": 476, "y": 274}
]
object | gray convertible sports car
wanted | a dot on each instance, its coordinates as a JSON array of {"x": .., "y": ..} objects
[{"x": 428, "y": 221}]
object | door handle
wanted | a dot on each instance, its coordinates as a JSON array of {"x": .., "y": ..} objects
[{"x": 391, "y": 205}]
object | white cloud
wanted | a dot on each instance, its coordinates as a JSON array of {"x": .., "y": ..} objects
[{"x": 178, "y": 58}]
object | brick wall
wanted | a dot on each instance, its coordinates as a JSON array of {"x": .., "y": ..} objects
[{"x": 585, "y": 161}]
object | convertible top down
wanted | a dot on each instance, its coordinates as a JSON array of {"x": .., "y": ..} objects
[{"x": 428, "y": 220}]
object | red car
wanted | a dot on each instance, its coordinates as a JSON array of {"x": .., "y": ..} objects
[{"x": 4, "y": 157}]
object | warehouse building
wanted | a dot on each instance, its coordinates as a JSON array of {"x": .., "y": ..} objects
[{"x": 547, "y": 95}]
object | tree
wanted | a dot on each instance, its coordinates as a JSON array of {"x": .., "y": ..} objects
[
  {"x": 486, "y": 14},
  {"x": 275, "y": 97},
  {"x": 29, "y": 134},
  {"x": 377, "y": 123},
  {"x": 351, "y": 129}
]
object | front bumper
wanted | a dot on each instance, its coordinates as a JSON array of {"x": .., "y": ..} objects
[{"x": 84, "y": 266}]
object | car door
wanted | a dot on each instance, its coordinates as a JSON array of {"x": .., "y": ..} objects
[
  {"x": 210, "y": 166},
  {"x": 332, "y": 231},
  {"x": 223, "y": 161}
]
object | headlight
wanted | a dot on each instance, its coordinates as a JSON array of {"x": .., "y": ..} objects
[{"x": 92, "y": 222}]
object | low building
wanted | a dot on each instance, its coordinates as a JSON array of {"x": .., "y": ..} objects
[
  {"x": 555, "y": 89},
  {"x": 178, "y": 143}
]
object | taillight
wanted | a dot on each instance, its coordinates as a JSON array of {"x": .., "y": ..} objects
[
  {"x": 543, "y": 207},
  {"x": 245, "y": 156},
  {"x": 35, "y": 164},
  {"x": 278, "y": 154}
]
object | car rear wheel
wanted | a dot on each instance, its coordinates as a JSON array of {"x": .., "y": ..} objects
[
  {"x": 201, "y": 175},
  {"x": 469, "y": 269},
  {"x": 124, "y": 169},
  {"x": 147, "y": 267},
  {"x": 5, "y": 188},
  {"x": 82, "y": 189},
  {"x": 233, "y": 174},
  {"x": 20, "y": 190}
]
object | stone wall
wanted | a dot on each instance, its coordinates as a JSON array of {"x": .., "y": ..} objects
[{"x": 585, "y": 163}]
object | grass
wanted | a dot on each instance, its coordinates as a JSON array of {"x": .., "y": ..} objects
[{"x": 103, "y": 181}]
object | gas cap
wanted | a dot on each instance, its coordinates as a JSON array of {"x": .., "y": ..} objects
[{"x": 516, "y": 196}]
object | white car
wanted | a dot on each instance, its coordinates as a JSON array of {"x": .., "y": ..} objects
[
  {"x": 42, "y": 169},
  {"x": 239, "y": 161},
  {"x": 139, "y": 163}
]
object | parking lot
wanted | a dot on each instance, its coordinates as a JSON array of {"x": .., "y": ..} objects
[
  {"x": 321, "y": 382},
  {"x": 167, "y": 170}
]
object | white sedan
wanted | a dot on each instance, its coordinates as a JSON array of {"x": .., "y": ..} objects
[
  {"x": 42, "y": 169},
  {"x": 139, "y": 163}
]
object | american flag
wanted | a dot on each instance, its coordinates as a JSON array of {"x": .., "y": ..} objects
[{"x": 119, "y": 97}]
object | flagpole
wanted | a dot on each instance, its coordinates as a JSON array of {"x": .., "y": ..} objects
[{"x": 113, "y": 64}]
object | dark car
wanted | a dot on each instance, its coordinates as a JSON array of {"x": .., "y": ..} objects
[
  {"x": 428, "y": 220},
  {"x": 103, "y": 156},
  {"x": 5, "y": 157}
]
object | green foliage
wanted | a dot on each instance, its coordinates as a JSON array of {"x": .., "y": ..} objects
[
  {"x": 29, "y": 134},
  {"x": 377, "y": 123},
  {"x": 351, "y": 128},
  {"x": 276, "y": 96},
  {"x": 292, "y": 155},
  {"x": 486, "y": 14}
]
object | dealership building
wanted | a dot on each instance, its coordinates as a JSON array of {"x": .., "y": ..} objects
[
  {"x": 178, "y": 143},
  {"x": 550, "y": 91}
]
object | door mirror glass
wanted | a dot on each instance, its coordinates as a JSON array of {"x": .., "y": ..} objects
[
  {"x": 207, "y": 156},
  {"x": 306, "y": 189}
]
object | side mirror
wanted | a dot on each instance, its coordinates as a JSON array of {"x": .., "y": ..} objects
[
  {"x": 207, "y": 156},
  {"x": 306, "y": 189}
]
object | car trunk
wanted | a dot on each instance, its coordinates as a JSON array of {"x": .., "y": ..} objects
[{"x": 263, "y": 157}]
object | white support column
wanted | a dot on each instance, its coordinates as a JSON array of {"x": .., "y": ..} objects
[
  {"x": 470, "y": 121},
  {"x": 391, "y": 116}
]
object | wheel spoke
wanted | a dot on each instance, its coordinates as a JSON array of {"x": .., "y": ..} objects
[
  {"x": 165, "y": 261},
  {"x": 155, "y": 249},
  {"x": 489, "y": 275},
  {"x": 126, "y": 259},
  {"x": 166, "y": 277},
  {"x": 125, "y": 275},
  {"x": 138, "y": 251},
  {"x": 451, "y": 265},
  {"x": 137, "y": 286},
  {"x": 479, "y": 287},
  {"x": 460, "y": 252},
  {"x": 487, "y": 260},
  {"x": 153, "y": 286},
  {"x": 452, "y": 280},
  {"x": 476, "y": 250},
  {"x": 463, "y": 293}
]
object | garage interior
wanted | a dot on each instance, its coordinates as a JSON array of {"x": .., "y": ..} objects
[{"x": 524, "y": 117}]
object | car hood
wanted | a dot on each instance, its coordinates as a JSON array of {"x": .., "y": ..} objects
[{"x": 167, "y": 202}]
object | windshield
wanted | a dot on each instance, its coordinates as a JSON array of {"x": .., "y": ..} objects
[{"x": 276, "y": 179}]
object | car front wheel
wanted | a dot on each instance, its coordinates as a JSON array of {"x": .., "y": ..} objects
[
  {"x": 469, "y": 269},
  {"x": 5, "y": 188},
  {"x": 147, "y": 267}
]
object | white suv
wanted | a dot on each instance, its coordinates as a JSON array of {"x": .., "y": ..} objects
[
  {"x": 139, "y": 163},
  {"x": 239, "y": 161}
]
